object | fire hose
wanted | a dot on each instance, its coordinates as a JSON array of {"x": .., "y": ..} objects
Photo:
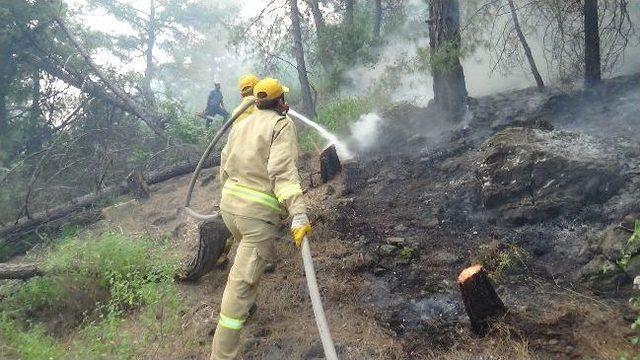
[{"x": 309, "y": 270}]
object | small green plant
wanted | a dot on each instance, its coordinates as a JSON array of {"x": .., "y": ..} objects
[
  {"x": 28, "y": 343},
  {"x": 501, "y": 259},
  {"x": 623, "y": 262},
  {"x": 407, "y": 253}
]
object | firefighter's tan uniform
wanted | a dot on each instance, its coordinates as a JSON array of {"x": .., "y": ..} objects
[
  {"x": 246, "y": 113},
  {"x": 260, "y": 185}
]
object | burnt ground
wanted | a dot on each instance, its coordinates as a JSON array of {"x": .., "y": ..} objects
[
  {"x": 418, "y": 213},
  {"x": 539, "y": 187}
]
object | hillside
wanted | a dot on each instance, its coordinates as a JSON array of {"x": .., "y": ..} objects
[{"x": 538, "y": 187}]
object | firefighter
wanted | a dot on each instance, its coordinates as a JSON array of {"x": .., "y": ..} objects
[
  {"x": 260, "y": 185},
  {"x": 215, "y": 105},
  {"x": 245, "y": 86}
]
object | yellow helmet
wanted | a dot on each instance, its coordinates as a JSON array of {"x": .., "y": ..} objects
[
  {"x": 246, "y": 83},
  {"x": 269, "y": 89}
]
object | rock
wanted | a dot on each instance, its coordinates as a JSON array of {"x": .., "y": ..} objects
[
  {"x": 329, "y": 190},
  {"x": 604, "y": 276},
  {"x": 400, "y": 228},
  {"x": 530, "y": 175},
  {"x": 553, "y": 342},
  {"x": 274, "y": 352},
  {"x": 613, "y": 242},
  {"x": 444, "y": 257},
  {"x": 387, "y": 250},
  {"x": 396, "y": 241},
  {"x": 379, "y": 271},
  {"x": 633, "y": 267},
  {"x": 569, "y": 349},
  {"x": 270, "y": 268},
  {"x": 636, "y": 283}
]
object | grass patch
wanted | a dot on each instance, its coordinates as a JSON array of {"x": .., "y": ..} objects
[{"x": 93, "y": 286}]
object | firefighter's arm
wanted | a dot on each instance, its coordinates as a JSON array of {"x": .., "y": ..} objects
[{"x": 282, "y": 167}]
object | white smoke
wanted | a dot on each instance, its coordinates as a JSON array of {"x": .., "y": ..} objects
[{"x": 365, "y": 131}]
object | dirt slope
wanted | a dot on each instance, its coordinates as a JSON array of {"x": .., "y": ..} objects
[{"x": 388, "y": 253}]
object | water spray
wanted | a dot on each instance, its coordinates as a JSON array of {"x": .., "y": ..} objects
[{"x": 343, "y": 151}]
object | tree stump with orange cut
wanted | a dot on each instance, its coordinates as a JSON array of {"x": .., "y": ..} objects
[{"x": 480, "y": 298}]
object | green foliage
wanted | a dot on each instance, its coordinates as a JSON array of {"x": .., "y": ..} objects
[
  {"x": 336, "y": 117},
  {"x": 623, "y": 262},
  {"x": 407, "y": 253},
  {"x": 28, "y": 344},
  {"x": 502, "y": 259},
  {"x": 95, "y": 283}
]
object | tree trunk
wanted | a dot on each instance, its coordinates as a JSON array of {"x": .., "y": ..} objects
[
  {"x": 19, "y": 271},
  {"x": 525, "y": 45},
  {"x": 329, "y": 164},
  {"x": 449, "y": 85},
  {"x": 480, "y": 298},
  {"x": 323, "y": 51},
  {"x": 7, "y": 73},
  {"x": 592, "y": 70},
  {"x": 24, "y": 226},
  {"x": 298, "y": 51},
  {"x": 138, "y": 185},
  {"x": 349, "y": 10},
  {"x": 149, "y": 71},
  {"x": 377, "y": 19}
]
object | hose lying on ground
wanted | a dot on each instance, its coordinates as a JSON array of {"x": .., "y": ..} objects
[{"x": 316, "y": 302}]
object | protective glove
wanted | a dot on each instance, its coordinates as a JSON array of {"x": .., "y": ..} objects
[{"x": 300, "y": 227}]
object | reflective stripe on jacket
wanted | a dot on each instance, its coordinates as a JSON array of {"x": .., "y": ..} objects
[{"x": 258, "y": 168}]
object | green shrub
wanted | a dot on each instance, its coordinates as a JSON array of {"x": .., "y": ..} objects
[
  {"x": 28, "y": 344},
  {"x": 95, "y": 283}
]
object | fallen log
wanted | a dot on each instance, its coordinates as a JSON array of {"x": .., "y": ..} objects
[
  {"x": 21, "y": 271},
  {"x": 480, "y": 299},
  {"x": 27, "y": 225}
]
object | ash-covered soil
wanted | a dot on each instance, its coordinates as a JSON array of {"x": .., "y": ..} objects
[{"x": 540, "y": 187}]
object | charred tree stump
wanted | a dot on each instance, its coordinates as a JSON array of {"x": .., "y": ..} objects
[
  {"x": 480, "y": 298},
  {"x": 329, "y": 164},
  {"x": 138, "y": 185},
  {"x": 352, "y": 177},
  {"x": 211, "y": 244}
]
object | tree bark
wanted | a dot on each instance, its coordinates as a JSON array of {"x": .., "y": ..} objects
[
  {"x": 20, "y": 271},
  {"x": 592, "y": 67},
  {"x": 329, "y": 164},
  {"x": 7, "y": 74},
  {"x": 525, "y": 46},
  {"x": 323, "y": 51},
  {"x": 138, "y": 185},
  {"x": 149, "y": 71},
  {"x": 25, "y": 225},
  {"x": 349, "y": 10},
  {"x": 298, "y": 52},
  {"x": 449, "y": 85},
  {"x": 377, "y": 19},
  {"x": 480, "y": 299}
]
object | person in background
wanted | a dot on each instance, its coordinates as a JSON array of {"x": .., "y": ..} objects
[{"x": 215, "y": 105}]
